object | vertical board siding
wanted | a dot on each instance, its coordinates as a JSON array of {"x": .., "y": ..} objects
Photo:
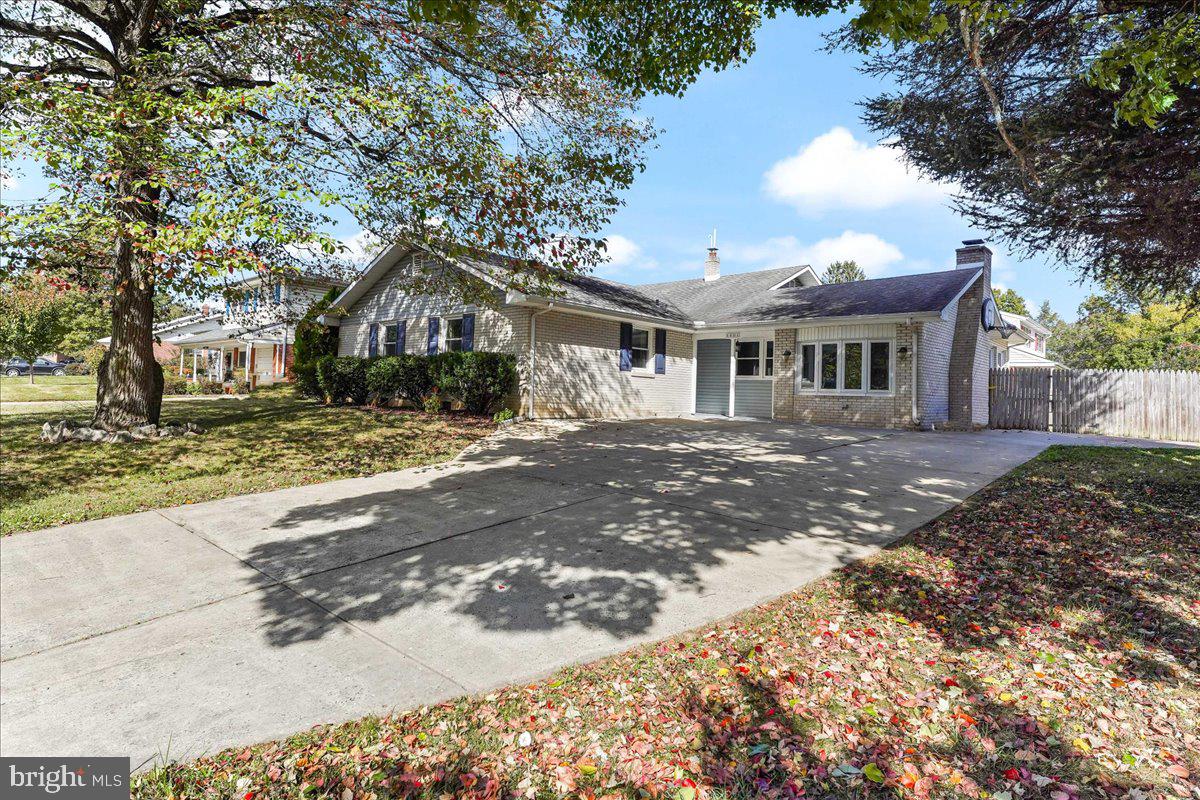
[
  {"x": 1147, "y": 404},
  {"x": 752, "y": 397},
  {"x": 712, "y": 376}
]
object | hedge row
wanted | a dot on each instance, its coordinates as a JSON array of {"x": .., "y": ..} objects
[{"x": 480, "y": 381}]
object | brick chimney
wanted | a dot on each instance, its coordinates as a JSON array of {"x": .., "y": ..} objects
[
  {"x": 968, "y": 353},
  {"x": 974, "y": 254},
  {"x": 712, "y": 264}
]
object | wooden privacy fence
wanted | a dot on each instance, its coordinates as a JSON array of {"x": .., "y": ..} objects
[{"x": 1149, "y": 404}]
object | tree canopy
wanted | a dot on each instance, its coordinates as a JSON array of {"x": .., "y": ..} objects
[
  {"x": 843, "y": 272},
  {"x": 35, "y": 313},
  {"x": 1071, "y": 126},
  {"x": 197, "y": 141},
  {"x": 1147, "y": 53},
  {"x": 1008, "y": 300},
  {"x": 1118, "y": 332},
  {"x": 1049, "y": 149}
]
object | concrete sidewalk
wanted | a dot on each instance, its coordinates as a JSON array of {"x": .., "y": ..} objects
[{"x": 183, "y": 631}]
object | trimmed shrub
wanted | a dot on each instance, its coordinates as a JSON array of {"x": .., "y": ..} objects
[
  {"x": 174, "y": 383},
  {"x": 405, "y": 377},
  {"x": 79, "y": 368},
  {"x": 342, "y": 378},
  {"x": 304, "y": 375},
  {"x": 442, "y": 369},
  {"x": 205, "y": 387},
  {"x": 479, "y": 380}
]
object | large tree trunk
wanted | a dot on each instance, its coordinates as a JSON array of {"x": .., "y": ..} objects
[{"x": 129, "y": 383}]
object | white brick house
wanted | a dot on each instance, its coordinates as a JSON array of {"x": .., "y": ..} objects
[{"x": 908, "y": 351}]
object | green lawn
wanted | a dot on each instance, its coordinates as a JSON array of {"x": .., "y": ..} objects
[
  {"x": 47, "y": 387},
  {"x": 269, "y": 440},
  {"x": 1042, "y": 640}
]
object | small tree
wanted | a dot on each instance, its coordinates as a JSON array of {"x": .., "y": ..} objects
[
  {"x": 34, "y": 315},
  {"x": 1008, "y": 300},
  {"x": 843, "y": 272}
]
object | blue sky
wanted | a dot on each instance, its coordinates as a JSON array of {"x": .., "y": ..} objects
[{"x": 773, "y": 155}]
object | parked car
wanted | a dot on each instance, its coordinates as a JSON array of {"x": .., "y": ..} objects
[{"x": 41, "y": 366}]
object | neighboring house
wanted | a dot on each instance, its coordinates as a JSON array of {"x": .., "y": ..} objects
[
  {"x": 251, "y": 338},
  {"x": 1027, "y": 348},
  {"x": 908, "y": 351}
]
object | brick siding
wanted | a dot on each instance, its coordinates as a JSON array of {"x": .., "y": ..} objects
[{"x": 880, "y": 411}]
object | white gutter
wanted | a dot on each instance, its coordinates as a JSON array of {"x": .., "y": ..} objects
[
  {"x": 849, "y": 319},
  {"x": 587, "y": 311},
  {"x": 533, "y": 354}
]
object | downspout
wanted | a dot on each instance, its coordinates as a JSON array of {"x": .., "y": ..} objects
[
  {"x": 916, "y": 335},
  {"x": 533, "y": 354}
]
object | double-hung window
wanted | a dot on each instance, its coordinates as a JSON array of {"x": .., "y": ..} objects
[
  {"x": 748, "y": 357},
  {"x": 854, "y": 367},
  {"x": 454, "y": 334},
  {"x": 640, "y": 348},
  {"x": 755, "y": 358},
  {"x": 391, "y": 338}
]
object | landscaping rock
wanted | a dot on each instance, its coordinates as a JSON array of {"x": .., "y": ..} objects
[{"x": 66, "y": 430}]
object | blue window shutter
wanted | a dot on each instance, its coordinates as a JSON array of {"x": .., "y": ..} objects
[
  {"x": 373, "y": 342},
  {"x": 432, "y": 347},
  {"x": 400, "y": 338},
  {"x": 660, "y": 351},
  {"x": 278, "y": 291},
  {"x": 626, "y": 347},
  {"x": 468, "y": 331}
]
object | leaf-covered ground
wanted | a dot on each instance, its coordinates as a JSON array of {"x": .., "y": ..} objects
[
  {"x": 270, "y": 440},
  {"x": 1040, "y": 641}
]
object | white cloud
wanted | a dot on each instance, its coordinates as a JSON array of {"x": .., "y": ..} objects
[
  {"x": 621, "y": 251},
  {"x": 623, "y": 256},
  {"x": 836, "y": 171},
  {"x": 872, "y": 253},
  {"x": 362, "y": 246}
]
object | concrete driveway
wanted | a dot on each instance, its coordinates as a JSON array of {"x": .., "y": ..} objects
[{"x": 179, "y": 632}]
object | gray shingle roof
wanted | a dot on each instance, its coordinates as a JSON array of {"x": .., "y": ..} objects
[
  {"x": 747, "y": 297},
  {"x": 707, "y": 300},
  {"x": 593, "y": 292},
  {"x": 928, "y": 292}
]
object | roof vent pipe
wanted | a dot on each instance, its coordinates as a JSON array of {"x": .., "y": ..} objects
[{"x": 712, "y": 264}]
